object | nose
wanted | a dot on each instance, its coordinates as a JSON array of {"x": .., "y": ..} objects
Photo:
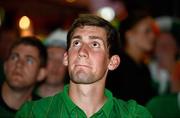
[
  {"x": 83, "y": 51},
  {"x": 19, "y": 63}
]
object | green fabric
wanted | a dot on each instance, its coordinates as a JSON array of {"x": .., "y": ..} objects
[
  {"x": 61, "y": 106},
  {"x": 165, "y": 106}
]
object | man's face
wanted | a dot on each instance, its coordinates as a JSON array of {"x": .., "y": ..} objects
[
  {"x": 88, "y": 57},
  {"x": 22, "y": 67},
  {"x": 55, "y": 67}
]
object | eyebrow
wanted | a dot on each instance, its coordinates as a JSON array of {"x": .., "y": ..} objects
[
  {"x": 91, "y": 37},
  {"x": 96, "y": 37},
  {"x": 30, "y": 56},
  {"x": 76, "y": 37}
]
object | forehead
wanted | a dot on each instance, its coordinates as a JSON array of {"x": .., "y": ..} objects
[
  {"x": 23, "y": 49},
  {"x": 90, "y": 31}
]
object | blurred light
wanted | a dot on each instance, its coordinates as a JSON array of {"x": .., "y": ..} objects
[
  {"x": 26, "y": 33},
  {"x": 70, "y": 1},
  {"x": 24, "y": 22},
  {"x": 107, "y": 13},
  {"x": 25, "y": 25}
]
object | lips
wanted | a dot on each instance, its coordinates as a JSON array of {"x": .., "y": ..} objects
[{"x": 82, "y": 66}]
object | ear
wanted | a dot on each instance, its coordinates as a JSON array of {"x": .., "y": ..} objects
[
  {"x": 114, "y": 62},
  {"x": 42, "y": 74},
  {"x": 65, "y": 59}
]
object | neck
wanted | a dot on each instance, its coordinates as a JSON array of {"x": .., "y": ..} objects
[
  {"x": 14, "y": 98},
  {"x": 90, "y": 98},
  {"x": 49, "y": 90}
]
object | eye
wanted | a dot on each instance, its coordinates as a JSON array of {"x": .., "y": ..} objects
[
  {"x": 76, "y": 43},
  {"x": 95, "y": 44},
  {"x": 148, "y": 30},
  {"x": 13, "y": 57},
  {"x": 30, "y": 61}
]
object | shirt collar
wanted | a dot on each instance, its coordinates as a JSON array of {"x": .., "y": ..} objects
[
  {"x": 107, "y": 107},
  {"x": 67, "y": 100}
]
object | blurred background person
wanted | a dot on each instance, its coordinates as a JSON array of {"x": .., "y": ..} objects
[
  {"x": 132, "y": 79},
  {"x": 167, "y": 105},
  {"x": 164, "y": 60},
  {"x": 56, "y": 71},
  {"x": 165, "y": 69},
  {"x": 24, "y": 67}
]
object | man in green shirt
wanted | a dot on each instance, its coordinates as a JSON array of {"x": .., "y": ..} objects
[{"x": 92, "y": 50}]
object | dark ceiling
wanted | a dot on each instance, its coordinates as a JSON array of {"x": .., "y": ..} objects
[
  {"x": 49, "y": 14},
  {"x": 46, "y": 14},
  {"x": 157, "y": 7}
]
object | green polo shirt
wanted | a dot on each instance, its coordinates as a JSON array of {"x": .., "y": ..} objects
[{"x": 61, "y": 106}]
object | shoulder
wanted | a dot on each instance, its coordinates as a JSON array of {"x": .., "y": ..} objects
[
  {"x": 131, "y": 108},
  {"x": 40, "y": 107}
]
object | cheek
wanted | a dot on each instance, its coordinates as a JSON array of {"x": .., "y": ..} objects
[
  {"x": 9, "y": 67},
  {"x": 8, "y": 71},
  {"x": 31, "y": 70},
  {"x": 143, "y": 41},
  {"x": 72, "y": 56},
  {"x": 100, "y": 61},
  {"x": 70, "y": 62},
  {"x": 141, "y": 38}
]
